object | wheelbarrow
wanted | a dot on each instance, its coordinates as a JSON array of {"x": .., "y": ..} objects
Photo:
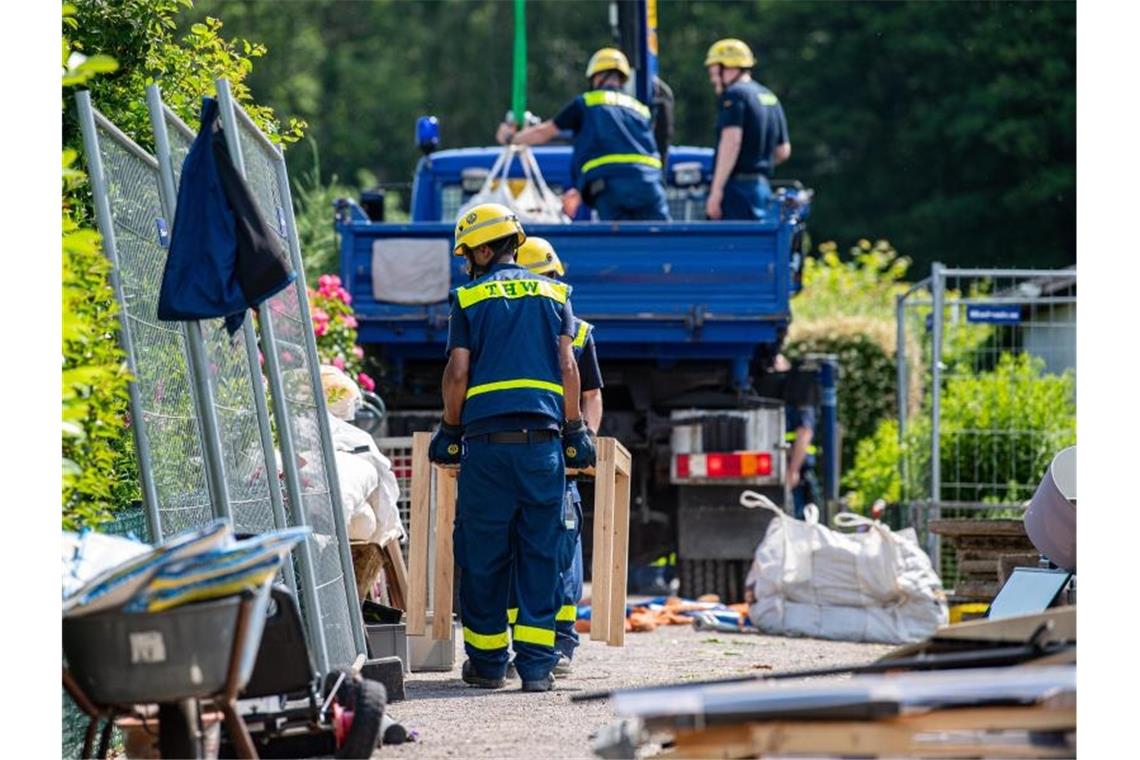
[
  {"x": 288, "y": 711},
  {"x": 119, "y": 662}
]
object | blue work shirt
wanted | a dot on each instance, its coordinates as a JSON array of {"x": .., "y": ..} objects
[
  {"x": 511, "y": 321},
  {"x": 752, "y": 106},
  {"x": 613, "y": 137}
]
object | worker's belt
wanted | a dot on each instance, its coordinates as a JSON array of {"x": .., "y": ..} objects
[
  {"x": 517, "y": 436},
  {"x": 622, "y": 158},
  {"x": 752, "y": 177}
]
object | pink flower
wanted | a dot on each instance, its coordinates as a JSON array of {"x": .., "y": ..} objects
[
  {"x": 261, "y": 358},
  {"x": 334, "y": 280},
  {"x": 343, "y": 295},
  {"x": 366, "y": 382},
  {"x": 324, "y": 280},
  {"x": 358, "y": 352},
  {"x": 286, "y": 357},
  {"x": 320, "y": 328},
  {"x": 350, "y": 322},
  {"x": 320, "y": 315},
  {"x": 338, "y": 362}
]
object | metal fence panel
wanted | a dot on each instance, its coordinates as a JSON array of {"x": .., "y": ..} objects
[
  {"x": 291, "y": 355},
  {"x": 998, "y": 370},
  {"x": 172, "y": 462}
]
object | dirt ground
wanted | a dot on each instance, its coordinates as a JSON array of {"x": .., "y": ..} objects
[{"x": 453, "y": 720}]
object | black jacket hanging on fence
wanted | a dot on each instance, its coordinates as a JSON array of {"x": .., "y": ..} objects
[{"x": 224, "y": 257}]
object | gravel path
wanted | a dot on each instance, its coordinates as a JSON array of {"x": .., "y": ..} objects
[{"x": 453, "y": 720}]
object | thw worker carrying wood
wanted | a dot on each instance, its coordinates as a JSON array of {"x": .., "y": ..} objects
[{"x": 510, "y": 385}]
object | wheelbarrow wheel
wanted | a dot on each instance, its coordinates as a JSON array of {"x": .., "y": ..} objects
[
  {"x": 368, "y": 700},
  {"x": 178, "y": 729}
]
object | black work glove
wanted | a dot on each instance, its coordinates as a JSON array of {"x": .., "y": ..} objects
[
  {"x": 578, "y": 445},
  {"x": 446, "y": 444}
]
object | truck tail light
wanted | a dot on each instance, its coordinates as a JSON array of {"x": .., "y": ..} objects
[{"x": 736, "y": 464}]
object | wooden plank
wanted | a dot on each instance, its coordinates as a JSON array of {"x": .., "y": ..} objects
[
  {"x": 396, "y": 573},
  {"x": 622, "y": 458},
  {"x": 1009, "y": 562},
  {"x": 982, "y": 591},
  {"x": 418, "y": 535},
  {"x": 1016, "y": 629},
  {"x": 445, "y": 490},
  {"x": 1004, "y": 544},
  {"x": 897, "y": 737},
  {"x": 619, "y": 550},
  {"x": 600, "y": 621},
  {"x": 978, "y": 527},
  {"x": 986, "y": 567}
]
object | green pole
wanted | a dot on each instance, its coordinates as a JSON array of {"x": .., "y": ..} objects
[{"x": 518, "y": 89}]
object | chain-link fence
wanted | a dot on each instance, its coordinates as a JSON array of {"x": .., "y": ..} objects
[{"x": 997, "y": 377}]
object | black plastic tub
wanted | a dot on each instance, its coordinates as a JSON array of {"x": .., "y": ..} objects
[{"x": 123, "y": 658}]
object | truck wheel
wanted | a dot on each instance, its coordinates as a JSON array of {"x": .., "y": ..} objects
[{"x": 723, "y": 577}]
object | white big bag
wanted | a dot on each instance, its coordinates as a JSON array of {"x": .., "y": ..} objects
[{"x": 876, "y": 585}]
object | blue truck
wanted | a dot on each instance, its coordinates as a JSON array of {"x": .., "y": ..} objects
[{"x": 687, "y": 316}]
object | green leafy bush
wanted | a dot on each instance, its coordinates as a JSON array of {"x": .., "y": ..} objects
[
  {"x": 999, "y": 431},
  {"x": 115, "y": 50}
]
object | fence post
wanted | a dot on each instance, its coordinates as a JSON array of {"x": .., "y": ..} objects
[{"x": 938, "y": 287}]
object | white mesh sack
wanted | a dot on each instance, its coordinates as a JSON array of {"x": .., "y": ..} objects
[{"x": 535, "y": 202}]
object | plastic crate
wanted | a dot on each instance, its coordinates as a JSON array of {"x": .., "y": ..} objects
[
  {"x": 389, "y": 640},
  {"x": 427, "y": 654}
]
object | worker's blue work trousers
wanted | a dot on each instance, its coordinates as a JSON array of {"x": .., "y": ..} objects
[
  {"x": 632, "y": 199},
  {"x": 508, "y": 531},
  {"x": 570, "y": 563},
  {"x": 745, "y": 199},
  {"x": 565, "y": 637}
]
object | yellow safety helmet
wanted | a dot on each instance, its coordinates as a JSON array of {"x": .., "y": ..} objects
[
  {"x": 607, "y": 59},
  {"x": 730, "y": 52},
  {"x": 538, "y": 255},
  {"x": 484, "y": 223}
]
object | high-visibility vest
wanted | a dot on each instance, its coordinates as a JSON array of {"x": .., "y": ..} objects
[
  {"x": 615, "y": 139},
  {"x": 514, "y": 319}
]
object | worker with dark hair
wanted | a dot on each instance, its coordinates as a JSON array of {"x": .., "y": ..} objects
[
  {"x": 511, "y": 382},
  {"x": 616, "y": 167},
  {"x": 752, "y": 134}
]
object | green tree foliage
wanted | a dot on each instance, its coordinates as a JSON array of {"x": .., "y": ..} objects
[
  {"x": 115, "y": 50},
  {"x": 847, "y": 308},
  {"x": 947, "y": 127}
]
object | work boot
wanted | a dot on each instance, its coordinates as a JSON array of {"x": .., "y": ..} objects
[
  {"x": 471, "y": 678},
  {"x": 512, "y": 671},
  {"x": 543, "y": 684},
  {"x": 562, "y": 667}
]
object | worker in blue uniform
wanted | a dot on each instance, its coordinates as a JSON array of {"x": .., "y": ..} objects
[
  {"x": 510, "y": 384},
  {"x": 800, "y": 423},
  {"x": 751, "y": 134},
  {"x": 616, "y": 167},
  {"x": 538, "y": 256}
]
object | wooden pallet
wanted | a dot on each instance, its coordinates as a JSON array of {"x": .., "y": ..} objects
[{"x": 611, "y": 542}]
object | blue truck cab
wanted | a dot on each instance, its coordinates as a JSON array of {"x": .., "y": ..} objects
[{"x": 687, "y": 316}]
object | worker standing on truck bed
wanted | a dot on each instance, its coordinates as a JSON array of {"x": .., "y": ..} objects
[
  {"x": 616, "y": 166},
  {"x": 539, "y": 257},
  {"x": 510, "y": 383},
  {"x": 751, "y": 134}
]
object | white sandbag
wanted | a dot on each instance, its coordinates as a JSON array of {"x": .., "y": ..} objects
[
  {"x": 913, "y": 620},
  {"x": 358, "y": 478},
  {"x": 342, "y": 395},
  {"x": 875, "y": 585},
  {"x": 383, "y": 490}
]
